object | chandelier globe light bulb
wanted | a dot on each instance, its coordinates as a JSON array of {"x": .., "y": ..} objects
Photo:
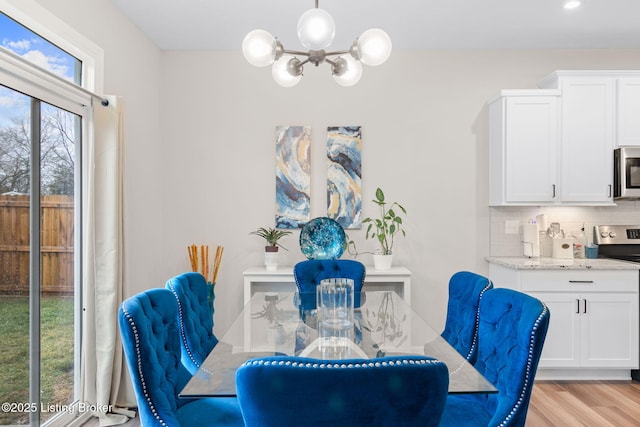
[
  {"x": 316, "y": 29},
  {"x": 259, "y": 48},
  {"x": 351, "y": 73},
  {"x": 287, "y": 71},
  {"x": 374, "y": 47}
]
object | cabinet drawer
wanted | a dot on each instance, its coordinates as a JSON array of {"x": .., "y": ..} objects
[{"x": 581, "y": 281}]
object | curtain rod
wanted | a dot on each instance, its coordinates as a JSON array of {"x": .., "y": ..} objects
[{"x": 57, "y": 78}]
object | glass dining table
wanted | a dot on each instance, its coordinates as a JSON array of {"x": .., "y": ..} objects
[{"x": 273, "y": 324}]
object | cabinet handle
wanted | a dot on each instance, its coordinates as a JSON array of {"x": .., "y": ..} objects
[
  {"x": 610, "y": 190},
  {"x": 577, "y": 306},
  {"x": 580, "y": 281},
  {"x": 554, "y": 190},
  {"x": 585, "y": 305}
]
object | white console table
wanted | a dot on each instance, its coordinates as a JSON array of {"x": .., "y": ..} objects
[{"x": 259, "y": 279}]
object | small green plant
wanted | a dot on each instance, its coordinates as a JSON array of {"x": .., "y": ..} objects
[
  {"x": 387, "y": 225},
  {"x": 271, "y": 235}
]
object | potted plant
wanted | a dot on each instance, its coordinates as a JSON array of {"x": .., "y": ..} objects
[
  {"x": 272, "y": 237},
  {"x": 384, "y": 229}
]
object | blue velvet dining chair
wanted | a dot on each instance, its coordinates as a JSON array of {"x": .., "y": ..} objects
[
  {"x": 511, "y": 334},
  {"x": 386, "y": 392},
  {"x": 461, "y": 326},
  {"x": 309, "y": 273},
  {"x": 148, "y": 325},
  {"x": 195, "y": 318}
]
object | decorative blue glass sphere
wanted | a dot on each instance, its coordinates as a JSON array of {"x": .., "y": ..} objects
[{"x": 322, "y": 238}]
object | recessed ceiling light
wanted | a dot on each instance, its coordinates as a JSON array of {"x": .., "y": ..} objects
[{"x": 572, "y": 4}]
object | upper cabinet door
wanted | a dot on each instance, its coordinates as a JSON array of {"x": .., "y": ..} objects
[
  {"x": 587, "y": 139},
  {"x": 524, "y": 149},
  {"x": 628, "y": 103},
  {"x": 531, "y": 148}
]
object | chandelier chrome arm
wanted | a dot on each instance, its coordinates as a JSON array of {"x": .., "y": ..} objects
[
  {"x": 294, "y": 52},
  {"x": 315, "y": 53},
  {"x": 337, "y": 52}
]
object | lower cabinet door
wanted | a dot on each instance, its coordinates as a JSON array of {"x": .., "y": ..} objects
[
  {"x": 561, "y": 346},
  {"x": 591, "y": 330},
  {"x": 609, "y": 330}
]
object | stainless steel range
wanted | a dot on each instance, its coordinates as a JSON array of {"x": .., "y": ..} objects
[{"x": 620, "y": 242}]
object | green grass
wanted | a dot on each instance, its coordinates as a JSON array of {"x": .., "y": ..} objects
[{"x": 56, "y": 353}]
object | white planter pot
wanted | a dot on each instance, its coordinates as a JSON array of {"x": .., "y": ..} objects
[
  {"x": 271, "y": 260},
  {"x": 382, "y": 262}
]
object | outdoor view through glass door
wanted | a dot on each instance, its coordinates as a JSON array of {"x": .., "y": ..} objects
[
  {"x": 55, "y": 263},
  {"x": 39, "y": 191}
]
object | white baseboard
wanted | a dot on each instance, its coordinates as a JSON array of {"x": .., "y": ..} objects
[{"x": 583, "y": 374}]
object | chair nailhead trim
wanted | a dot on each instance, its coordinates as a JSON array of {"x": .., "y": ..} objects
[
  {"x": 183, "y": 333},
  {"x": 339, "y": 365},
  {"x": 474, "y": 342},
  {"x": 527, "y": 380},
  {"x": 134, "y": 329}
]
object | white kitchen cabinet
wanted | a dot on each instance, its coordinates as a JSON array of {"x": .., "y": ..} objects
[
  {"x": 562, "y": 344},
  {"x": 609, "y": 333},
  {"x": 594, "y": 324},
  {"x": 600, "y": 330},
  {"x": 587, "y": 135},
  {"x": 587, "y": 140},
  {"x": 628, "y": 112},
  {"x": 523, "y": 155},
  {"x": 536, "y": 159}
]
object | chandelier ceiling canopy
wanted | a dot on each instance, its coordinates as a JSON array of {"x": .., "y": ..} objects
[{"x": 316, "y": 30}]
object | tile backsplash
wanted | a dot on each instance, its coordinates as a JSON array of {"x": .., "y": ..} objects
[{"x": 571, "y": 219}]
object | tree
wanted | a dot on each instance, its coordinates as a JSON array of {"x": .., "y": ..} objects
[
  {"x": 57, "y": 156},
  {"x": 58, "y": 151},
  {"x": 15, "y": 152}
]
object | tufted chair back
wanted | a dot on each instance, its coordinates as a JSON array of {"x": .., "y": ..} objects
[
  {"x": 461, "y": 327},
  {"x": 149, "y": 328},
  {"x": 308, "y": 275},
  {"x": 511, "y": 334},
  {"x": 386, "y": 392},
  {"x": 195, "y": 318}
]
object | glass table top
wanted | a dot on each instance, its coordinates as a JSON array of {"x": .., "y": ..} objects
[{"x": 272, "y": 324}]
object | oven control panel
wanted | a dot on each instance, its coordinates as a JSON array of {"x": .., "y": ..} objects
[
  {"x": 616, "y": 234},
  {"x": 633, "y": 233}
]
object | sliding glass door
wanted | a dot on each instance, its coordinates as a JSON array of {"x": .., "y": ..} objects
[
  {"x": 39, "y": 228},
  {"x": 46, "y": 114},
  {"x": 38, "y": 175}
]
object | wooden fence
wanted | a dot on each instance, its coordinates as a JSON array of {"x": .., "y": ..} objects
[{"x": 57, "y": 236}]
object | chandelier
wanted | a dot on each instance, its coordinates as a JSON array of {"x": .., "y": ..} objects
[{"x": 316, "y": 30}]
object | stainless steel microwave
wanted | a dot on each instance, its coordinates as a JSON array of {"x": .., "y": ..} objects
[{"x": 626, "y": 173}]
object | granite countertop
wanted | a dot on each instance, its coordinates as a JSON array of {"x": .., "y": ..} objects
[{"x": 526, "y": 263}]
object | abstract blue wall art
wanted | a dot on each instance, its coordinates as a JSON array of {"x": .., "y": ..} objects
[
  {"x": 344, "y": 175},
  {"x": 293, "y": 176}
]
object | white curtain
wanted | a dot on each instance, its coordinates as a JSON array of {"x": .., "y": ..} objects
[{"x": 103, "y": 258}]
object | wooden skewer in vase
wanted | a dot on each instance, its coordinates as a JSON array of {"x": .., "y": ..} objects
[
  {"x": 216, "y": 263},
  {"x": 202, "y": 261}
]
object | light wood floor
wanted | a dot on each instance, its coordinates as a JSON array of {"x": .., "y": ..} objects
[
  {"x": 585, "y": 403},
  {"x": 568, "y": 404}
]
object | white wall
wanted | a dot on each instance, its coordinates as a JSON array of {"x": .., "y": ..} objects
[
  {"x": 199, "y": 156},
  {"x": 132, "y": 70},
  {"x": 425, "y": 138}
]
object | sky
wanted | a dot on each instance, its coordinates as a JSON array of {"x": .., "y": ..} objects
[{"x": 19, "y": 40}]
